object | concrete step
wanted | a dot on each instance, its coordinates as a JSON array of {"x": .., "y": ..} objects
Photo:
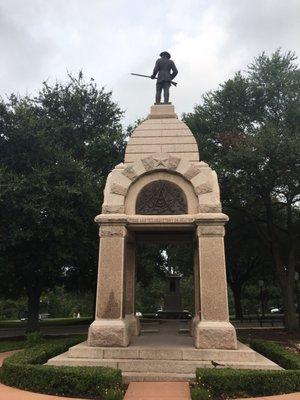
[
  {"x": 243, "y": 353},
  {"x": 157, "y": 377},
  {"x": 158, "y": 366}
]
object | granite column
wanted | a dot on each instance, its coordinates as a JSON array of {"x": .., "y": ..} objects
[
  {"x": 110, "y": 327},
  {"x": 213, "y": 329},
  {"x": 130, "y": 278}
]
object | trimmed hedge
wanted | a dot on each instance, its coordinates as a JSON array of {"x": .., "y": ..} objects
[
  {"x": 234, "y": 382},
  {"x": 285, "y": 358},
  {"x": 198, "y": 393},
  {"x": 24, "y": 371}
]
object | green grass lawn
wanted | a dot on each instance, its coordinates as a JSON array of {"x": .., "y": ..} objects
[
  {"x": 9, "y": 345},
  {"x": 48, "y": 322}
]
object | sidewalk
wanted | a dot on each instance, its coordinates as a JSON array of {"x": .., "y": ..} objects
[
  {"x": 9, "y": 393},
  {"x": 158, "y": 391},
  {"x": 291, "y": 396}
]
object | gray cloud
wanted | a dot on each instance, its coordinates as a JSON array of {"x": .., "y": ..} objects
[{"x": 209, "y": 40}]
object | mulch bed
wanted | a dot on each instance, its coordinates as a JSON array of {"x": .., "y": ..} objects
[{"x": 287, "y": 339}]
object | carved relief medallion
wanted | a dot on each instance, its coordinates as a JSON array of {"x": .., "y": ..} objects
[{"x": 161, "y": 198}]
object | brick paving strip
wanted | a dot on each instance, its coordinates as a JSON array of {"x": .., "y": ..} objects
[
  {"x": 290, "y": 396},
  {"x": 9, "y": 393},
  {"x": 158, "y": 391},
  {"x": 135, "y": 391}
]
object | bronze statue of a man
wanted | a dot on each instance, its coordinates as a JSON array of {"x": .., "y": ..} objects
[{"x": 163, "y": 67}]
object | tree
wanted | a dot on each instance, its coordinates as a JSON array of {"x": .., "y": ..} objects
[
  {"x": 248, "y": 131},
  {"x": 246, "y": 258},
  {"x": 55, "y": 150}
]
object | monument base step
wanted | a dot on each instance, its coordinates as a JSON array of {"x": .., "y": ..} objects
[
  {"x": 158, "y": 366},
  {"x": 157, "y": 377},
  {"x": 165, "y": 352},
  {"x": 160, "y": 362}
]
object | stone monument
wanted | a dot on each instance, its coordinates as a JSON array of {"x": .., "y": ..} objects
[
  {"x": 162, "y": 187},
  {"x": 172, "y": 296},
  {"x": 161, "y": 192}
]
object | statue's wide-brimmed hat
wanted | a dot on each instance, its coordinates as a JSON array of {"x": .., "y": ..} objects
[{"x": 165, "y": 53}]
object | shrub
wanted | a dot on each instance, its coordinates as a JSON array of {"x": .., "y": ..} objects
[
  {"x": 33, "y": 338},
  {"x": 114, "y": 394},
  {"x": 24, "y": 370},
  {"x": 234, "y": 382},
  {"x": 285, "y": 358},
  {"x": 198, "y": 393}
]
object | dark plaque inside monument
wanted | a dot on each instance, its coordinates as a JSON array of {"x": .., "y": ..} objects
[
  {"x": 161, "y": 198},
  {"x": 172, "y": 297}
]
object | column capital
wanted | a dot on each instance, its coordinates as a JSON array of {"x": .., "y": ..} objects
[
  {"x": 112, "y": 231},
  {"x": 210, "y": 230}
]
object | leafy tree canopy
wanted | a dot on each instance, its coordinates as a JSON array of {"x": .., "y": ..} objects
[
  {"x": 55, "y": 149},
  {"x": 248, "y": 130}
]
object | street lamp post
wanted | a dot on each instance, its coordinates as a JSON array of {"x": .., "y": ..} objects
[
  {"x": 261, "y": 285},
  {"x": 297, "y": 296}
]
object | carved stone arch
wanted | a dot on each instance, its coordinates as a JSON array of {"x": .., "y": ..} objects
[
  {"x": 161, "y": 197},
  {"x": 185, "y": 187},
  {"x": 124, "y": 183}
]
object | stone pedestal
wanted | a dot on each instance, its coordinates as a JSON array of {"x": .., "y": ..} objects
[
  {"x": 214, "y": 335},
  {"x": 133, "y": 323},
  {"x": 194, "y": 324},
  {"x": 109, "y": 333},
  {"x": 162, "y": 111}
]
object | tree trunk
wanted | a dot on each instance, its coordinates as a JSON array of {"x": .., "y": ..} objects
[
  {"x": 237, "y": 297},
  {"x": 285, "y": 272},
  {"x": 286, "y": 278},
  {"x": 290, "y": 316},
  {"x": 33, "y": 302}
]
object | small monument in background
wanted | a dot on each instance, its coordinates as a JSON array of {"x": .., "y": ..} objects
[{"x": 172, "y": 296}]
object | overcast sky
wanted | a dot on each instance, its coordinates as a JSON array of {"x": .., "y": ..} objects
[{"x": 108, "y": 39}]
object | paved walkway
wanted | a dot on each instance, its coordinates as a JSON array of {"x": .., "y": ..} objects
[
  {"x": 158, "y": 391},
  {"x": 4, "y": 355},
  {"x": 9, "y": 393},
  {"x": 291, "y": 396}
]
